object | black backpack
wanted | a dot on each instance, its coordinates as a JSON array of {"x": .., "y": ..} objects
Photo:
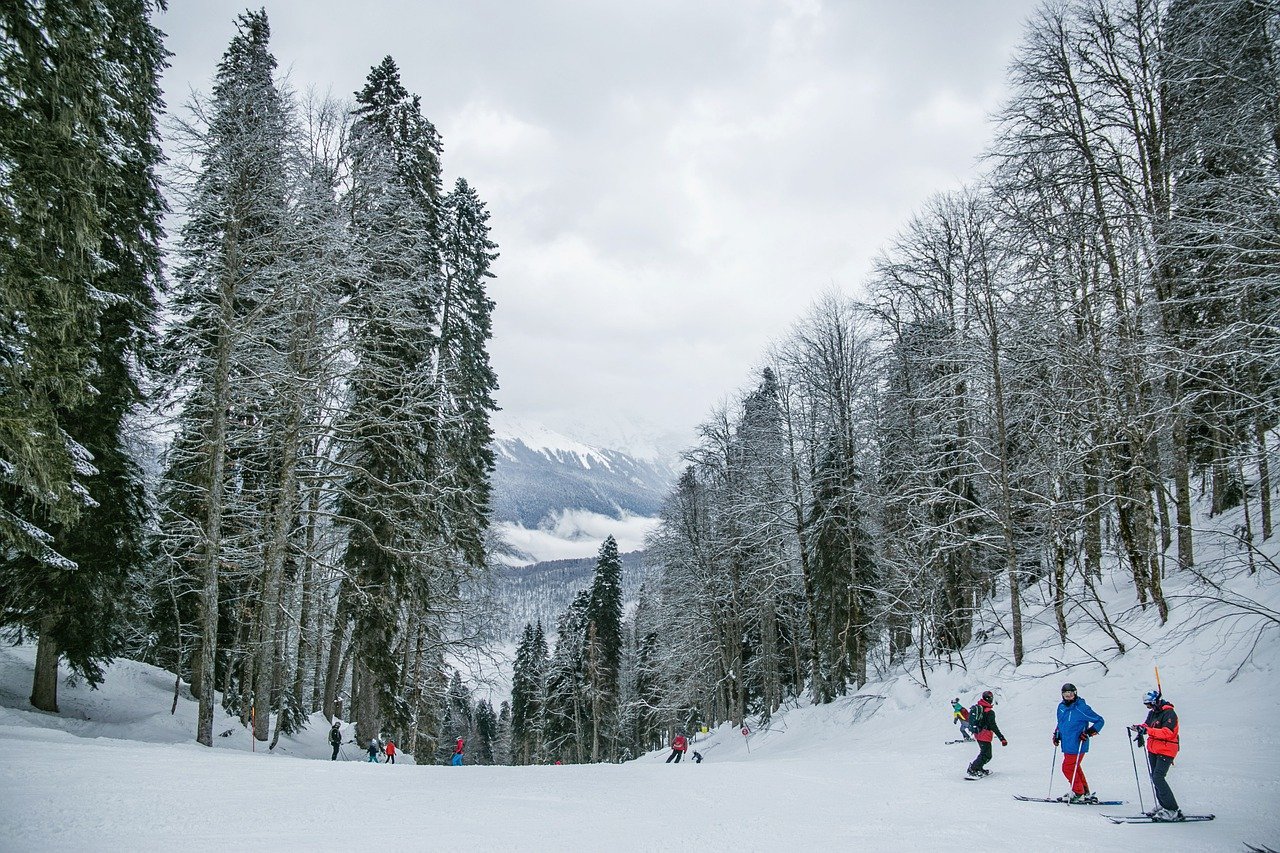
[
  {"x": 977, "y": 717},
  {"x": 335, "y": 736}
]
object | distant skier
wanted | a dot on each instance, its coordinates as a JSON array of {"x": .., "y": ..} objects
[
  {"x": 697, "y": 757},
  {"x": 960, "y": 714},
  {"x": 457, "y": 753},
  {"x": 678, "y": 746},
  {"x": 1161, "y": 734},
  {"x": 374, "y": 748},
  {"x": 985, "y": 727},
  {"x": 390, "y": 750},
  {"x": 1077, "y": 722},
  {"x": 335, "y": 738}
]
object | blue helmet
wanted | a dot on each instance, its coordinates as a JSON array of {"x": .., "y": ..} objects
[{"x": 1152, "y": 697}]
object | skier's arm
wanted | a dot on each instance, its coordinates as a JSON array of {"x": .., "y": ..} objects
[
  {"x": 1094, "y": 718},
  {"x": 1164, "y": 728}
]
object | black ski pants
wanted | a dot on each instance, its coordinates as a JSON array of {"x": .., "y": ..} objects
[
  {"x": 1160, "y": 765},
  {"x": 336, "y": 747},
  {"x": 984, "y": 755},
  {"x": 676, "y": 754}
]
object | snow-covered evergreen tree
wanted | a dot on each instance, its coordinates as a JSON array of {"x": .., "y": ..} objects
[{"x": 81, "y": 228}]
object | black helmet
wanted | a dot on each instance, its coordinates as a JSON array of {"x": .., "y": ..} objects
[
  {"x": 1068, "y": 687},
  {"x": 988, "y": 695}
]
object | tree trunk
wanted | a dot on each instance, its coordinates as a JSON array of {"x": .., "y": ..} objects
[
  {"x": 220, "y": 394},
  {"x": 1182, "y": 490},
  {"x": 332, "y": 681},
  {"x": 1264, "y": 478},
  {"x": 44, "y": 686}
]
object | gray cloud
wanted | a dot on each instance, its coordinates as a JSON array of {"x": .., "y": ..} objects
[{"x": 670, "y": 183}]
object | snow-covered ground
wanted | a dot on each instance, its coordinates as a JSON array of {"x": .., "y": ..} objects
[{"x": 115, "y": 771}]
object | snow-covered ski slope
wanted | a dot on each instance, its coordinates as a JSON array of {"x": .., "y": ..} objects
[{"x": 116, "y": 772}]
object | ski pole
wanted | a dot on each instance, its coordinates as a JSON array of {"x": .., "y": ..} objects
[
  {"x": 1155, "y": 795},
  {"x": 1053, "y": 765},
  {"x": 1136, "y": 780}
]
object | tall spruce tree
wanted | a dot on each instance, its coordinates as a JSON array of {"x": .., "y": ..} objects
[
  {"x": 399, "y": 548},
  {"x": 85, "y": 81},
  {"x": 604, "y": 645},
  {"x": 465, "y": 380}
]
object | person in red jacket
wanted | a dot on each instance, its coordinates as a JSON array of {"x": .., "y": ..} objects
[
  {"x": 457, "y": 753},
  {"x": 1161, "y": 734},
  {"x": 986, "y": 730},
  {"x": 391, "y": 751},
  {"x": 678, "y": 746}
]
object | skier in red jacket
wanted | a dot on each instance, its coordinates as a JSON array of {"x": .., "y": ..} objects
[
  {"x": 391, "y": 751},
  {"x": 1160, "y": 731},
  {"x": 457, "y": 754},
  {"x": 678, "y": 746}
]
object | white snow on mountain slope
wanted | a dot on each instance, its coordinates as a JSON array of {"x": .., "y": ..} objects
[
  {"x": 537, "y": 437},
  {"x": 556, "y": 497},
  {"x": 630, "y": 434}
]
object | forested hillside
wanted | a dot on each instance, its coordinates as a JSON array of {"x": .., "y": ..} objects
[
  {"x": 1049, "y": 369},
  {"x": 310, "y": 388}
]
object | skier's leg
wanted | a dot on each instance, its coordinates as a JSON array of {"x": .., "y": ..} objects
[
  {"x": 1160, "y": 765},
  {"x": 984, "y": 755},
  {"x": 1072, "y": 768}
]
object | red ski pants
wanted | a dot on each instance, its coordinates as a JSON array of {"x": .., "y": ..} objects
[{"x": 1073, "y": 769}]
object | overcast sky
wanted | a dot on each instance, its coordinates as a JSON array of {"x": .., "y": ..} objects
[{"x": 671, "y": 182}]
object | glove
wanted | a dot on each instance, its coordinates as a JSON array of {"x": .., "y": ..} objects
[
  {"x": 1056, "y": 740},
  {"x": 1140, "y": 727},
  {"x": 1004, "y": 742},
  {"x": 1084, "y": 736}
]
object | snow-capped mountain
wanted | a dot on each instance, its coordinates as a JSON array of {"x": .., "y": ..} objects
[{"x": 557, "y": 497}]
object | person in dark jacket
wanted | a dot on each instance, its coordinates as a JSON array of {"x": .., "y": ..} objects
[
  {"x": 335, "y": 738},
  {"x": 678, "y": 747},
  {"x": 373, "y": 749},
  {"x": 986, "y": 730},
  {"x": 1077, "y": 722},
  {"x": 1160, "y": 731}
]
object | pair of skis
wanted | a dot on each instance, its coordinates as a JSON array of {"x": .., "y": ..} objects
[
  {"x": 1142, "y": 818},
  {"x": 1115, "y": 818},
  {"x": 959, "y": 740},
  {"x": 1068, "y": 802},
  {"x": 1139, "y": 818}
]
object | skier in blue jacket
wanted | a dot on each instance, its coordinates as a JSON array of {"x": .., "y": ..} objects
[{"x": 1077, "y": 722}]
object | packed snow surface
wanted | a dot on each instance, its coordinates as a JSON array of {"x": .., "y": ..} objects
[{"x": 116, "y": 771}]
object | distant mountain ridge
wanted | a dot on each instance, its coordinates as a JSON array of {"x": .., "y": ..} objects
[{"x": 539, "y": 473}]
